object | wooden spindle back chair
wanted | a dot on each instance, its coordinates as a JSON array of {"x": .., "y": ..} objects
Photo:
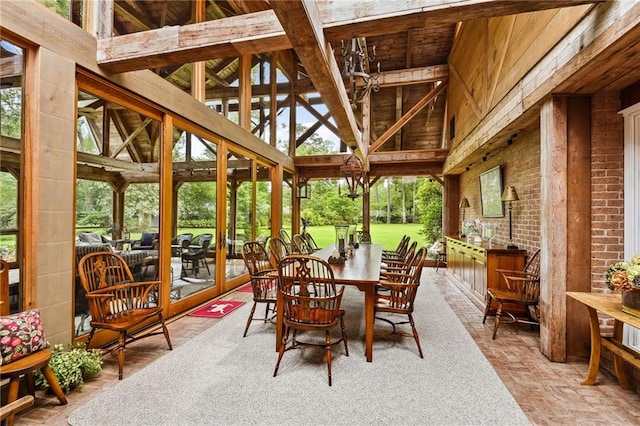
[
  {"x": 117, "y": 302},
  {"x": 263, "y": 283},
  {"x": 396, "y": 294},
  {"x": 310, "y": 303}
]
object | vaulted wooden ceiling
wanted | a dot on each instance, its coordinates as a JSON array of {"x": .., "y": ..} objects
[{"x": 413, "y": 40}]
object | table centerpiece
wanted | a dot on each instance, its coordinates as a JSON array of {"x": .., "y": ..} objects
[{"x": 625, "y": 277}]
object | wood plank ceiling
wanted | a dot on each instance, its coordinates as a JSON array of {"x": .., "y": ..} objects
[{"x": 413, "y": 40}]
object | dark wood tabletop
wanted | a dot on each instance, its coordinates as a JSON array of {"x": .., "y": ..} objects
[{"x": 362, "y": 268}]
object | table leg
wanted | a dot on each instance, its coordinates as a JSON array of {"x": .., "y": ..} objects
[
  {"x": 618, "y": 361},
  {"x": 596, "y": 347},
  {"x": 369, "y": 301}
]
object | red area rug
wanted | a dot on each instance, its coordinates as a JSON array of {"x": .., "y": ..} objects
[
  {"x": 217, "y": 309},
  {"x": 247, "y": 287}
]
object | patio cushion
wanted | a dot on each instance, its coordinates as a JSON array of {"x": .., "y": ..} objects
[
  {"x": 147, "y": 238},
  {"x": 90, "y": 238}
]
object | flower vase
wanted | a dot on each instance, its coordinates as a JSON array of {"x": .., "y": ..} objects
[{"x": 631, "y": 302}]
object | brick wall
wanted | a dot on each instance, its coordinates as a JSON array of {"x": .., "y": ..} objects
[
  {"x": 520, "y": 163},
  {"x": 607, "y": 186},
  {"x": 607, "y": 191}
]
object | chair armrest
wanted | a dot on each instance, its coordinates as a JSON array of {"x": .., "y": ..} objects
[
  {"x": 394, "y": 278},
  {"x": 119, "y": 298}
]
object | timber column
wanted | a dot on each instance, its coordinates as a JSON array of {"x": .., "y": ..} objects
[{"x": 565, "y": 225}]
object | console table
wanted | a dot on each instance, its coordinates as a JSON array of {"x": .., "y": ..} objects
[
  {"x": 473, "y": 268},
  {"x": 611, "y": 305}
]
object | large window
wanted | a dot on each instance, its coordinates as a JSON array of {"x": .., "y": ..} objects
[
  {"x": 117, "y": 187},
  {"x": 11, "y": 170}
]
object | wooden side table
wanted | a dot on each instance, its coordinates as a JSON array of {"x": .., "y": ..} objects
[{"x": 611, "y": 305}]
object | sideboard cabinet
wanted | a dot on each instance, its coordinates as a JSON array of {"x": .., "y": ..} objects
[{"x": 473, "y": 267}]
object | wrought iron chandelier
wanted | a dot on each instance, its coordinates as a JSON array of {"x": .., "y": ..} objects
[
  {"x": 358, "y": 80},
  {"x": 352, "y": 170}
]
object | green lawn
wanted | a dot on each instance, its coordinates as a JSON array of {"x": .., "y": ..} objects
[{"x": 381, "y": 233}]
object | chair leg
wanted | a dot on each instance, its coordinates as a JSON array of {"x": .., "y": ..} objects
[
  {"x": 486, "y": 308},
  {"x": 496, "y": 323},
  {"x": 327, "y": 353},
  {"x": 165, "y": 331},
  {"x": 266, "y": 312},
  {"x": 415, "y": 335},
  {"x": 93, "y": 330},
  {"x": 344, "y": 336},
  {"x": 253, "y": 308},
  {"x": 12, "y": 395},
  {"x": 120, "y": 353},
  {"x": 285, "y": 337},
  {"x": 53, "y": 383}
]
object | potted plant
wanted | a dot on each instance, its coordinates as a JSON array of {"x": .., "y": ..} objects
[
  {"x": 625, "y": 277},
  {"x": 71, "y": 367}
]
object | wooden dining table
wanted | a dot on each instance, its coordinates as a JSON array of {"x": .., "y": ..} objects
[{"x": 362, "y": 271}]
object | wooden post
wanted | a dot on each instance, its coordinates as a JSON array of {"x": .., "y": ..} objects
[
  {"x": 565, "y": 225},
  {"x": 450, "y": 203}
]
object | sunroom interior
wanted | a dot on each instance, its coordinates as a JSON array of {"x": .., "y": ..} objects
[{"x": 155, "y": 99}]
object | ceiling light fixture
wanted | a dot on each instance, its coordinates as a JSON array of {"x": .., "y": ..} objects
[
  {"x": 358, "y": 79},
  {"x": 352, "y": 170}
]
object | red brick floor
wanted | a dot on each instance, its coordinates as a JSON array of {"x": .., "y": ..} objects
[{"x": 549, "y": 393}]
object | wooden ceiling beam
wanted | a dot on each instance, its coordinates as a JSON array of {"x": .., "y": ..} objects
[
  {"x": 301, "y": 21},
  {"x": 408, "y": 116},
  {"x": 391, "y": 163},
  {"x": 221, "y": 38},
  {"x": 404, "y": 77},
  {"x": 259, "y": 32}
]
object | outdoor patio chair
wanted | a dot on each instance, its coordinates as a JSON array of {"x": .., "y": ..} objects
[
  {"x": 195, "y": 257},
  {"x": 396, "y": 294},
  {"x": 263, "y": 283},
  {"x": 522, "y": 289},
  {"x": 180, "y": 242},
  {"x": 147, "y": 241},
  {"x": 310, "y": 303},
  {"x": 117, "y": 302}
]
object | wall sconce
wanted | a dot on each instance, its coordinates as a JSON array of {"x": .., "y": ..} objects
[
  {"x": 464, "y": 204},
  {"x": 352, "y": 170},
  {"x": 304, "y": 191},
  {"x": 510, "y": 195}
]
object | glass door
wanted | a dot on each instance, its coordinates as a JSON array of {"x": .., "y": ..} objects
[
  {"x": 193, "y": 243},
  {"x": 240, "y": 224}
]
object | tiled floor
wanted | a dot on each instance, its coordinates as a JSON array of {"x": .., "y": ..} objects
[{"x": 549, "y": 393}]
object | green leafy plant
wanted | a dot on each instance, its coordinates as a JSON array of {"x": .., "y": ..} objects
[{"x": 71, "y": 367}]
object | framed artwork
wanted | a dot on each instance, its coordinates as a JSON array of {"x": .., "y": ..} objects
[{"x": 491, "y": 192}]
